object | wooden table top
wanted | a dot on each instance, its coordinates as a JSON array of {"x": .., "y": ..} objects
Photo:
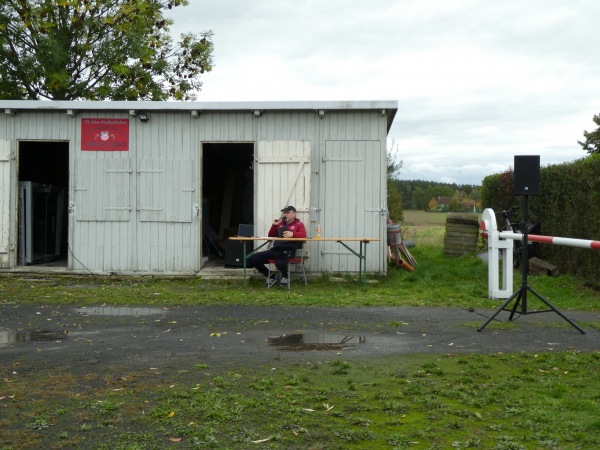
[{"x": 266, "y": 238}]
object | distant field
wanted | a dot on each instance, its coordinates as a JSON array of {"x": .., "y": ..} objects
[{"x": 415, "y": 217}]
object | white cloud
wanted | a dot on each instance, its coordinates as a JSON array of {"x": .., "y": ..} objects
[{"x": 477, "y": 82}]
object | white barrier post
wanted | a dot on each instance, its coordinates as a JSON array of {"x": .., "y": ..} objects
[
  {"x": 499, "y": 251},
  {"x": 500, "y": 248},
  {"x": 489, "y": 223}
]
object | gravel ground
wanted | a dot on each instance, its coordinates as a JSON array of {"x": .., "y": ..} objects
[{"x": 162, "y": 339}]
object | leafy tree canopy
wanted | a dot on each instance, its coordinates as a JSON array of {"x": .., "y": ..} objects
[
  {"x": 416, "y": 194},
  {"x": 98, "y": 50},
  {"x": 394, "y": 197},
  {"x": 592, "y": 139}
]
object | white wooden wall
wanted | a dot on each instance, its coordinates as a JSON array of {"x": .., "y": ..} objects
[
  {"x": 283, "y": 178},
  {"x": 5, "y": 203},
  {"x": 136, "y": 211},
  {"x": 340, "y": 212}
]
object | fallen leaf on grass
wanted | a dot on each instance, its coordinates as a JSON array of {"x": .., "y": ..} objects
[
  {"x": 171, "y": 414},
  {"x": 217, "y": 334},
  {"x": 174, "y": 439},
  {"x": 260, "y": 441}
]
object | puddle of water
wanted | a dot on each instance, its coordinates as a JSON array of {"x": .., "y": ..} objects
[
  {"x": 118, "y": 311},
  {"x": 314, "y": 341},
  {"x": 11, "y": 336}
]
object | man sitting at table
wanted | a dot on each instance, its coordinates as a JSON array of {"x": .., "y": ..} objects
[{"x": 286, "y": 226}]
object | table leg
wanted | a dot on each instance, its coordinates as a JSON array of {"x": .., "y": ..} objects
[
  {"x": 362, "y": 274},
  {"x": 365, "y": 262},
  {"x": 360, "y": 265},
  {"x": 244, "y": 251},
  {"x": 246, "y": 254}
]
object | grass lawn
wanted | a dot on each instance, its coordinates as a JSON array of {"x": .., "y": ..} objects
[
  {"x": 438, "y": 280},
  {"x": 417, "y": 217},
  {"x": 488, "y": 401},
  {"x": 501, "y": 401}
]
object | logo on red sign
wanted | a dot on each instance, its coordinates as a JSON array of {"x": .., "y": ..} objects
[{"x": 105, "y": 135}]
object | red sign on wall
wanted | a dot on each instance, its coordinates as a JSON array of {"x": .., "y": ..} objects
[{"x": 105, "y": 135}]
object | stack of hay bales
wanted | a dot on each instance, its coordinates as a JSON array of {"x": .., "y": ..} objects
[{"x": 462, "y": 233}]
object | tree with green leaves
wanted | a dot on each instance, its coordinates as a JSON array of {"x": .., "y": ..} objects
[
  {"x": 98, "y": 50},
  {"x": 394, "y": 196},
  {"x": 421, "y": 198},
  {"x": 592, "y": 139}
]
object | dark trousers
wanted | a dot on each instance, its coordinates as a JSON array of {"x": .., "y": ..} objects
[{"x": 281, "y": 256}]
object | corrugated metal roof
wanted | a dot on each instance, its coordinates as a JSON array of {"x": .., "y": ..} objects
[{"x": 387, "y": 107}]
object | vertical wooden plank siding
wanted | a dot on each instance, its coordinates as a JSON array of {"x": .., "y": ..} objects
[
  {"x": 5, "y": 191},
  {"x": 353, "y": 189},
  {"x": 134, "y": 211},
  {"x": 168, "y": 167},
  {"x": 283, "y": 170}
]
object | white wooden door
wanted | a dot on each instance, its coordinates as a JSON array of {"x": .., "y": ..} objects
[
  {"x": 5, "y": 190},
  {"x": 355, "y": 199},
  {"x": 102, "y": 190},
  {"x": 282, "y": 178},
  {"x": 165, "y": 190}
]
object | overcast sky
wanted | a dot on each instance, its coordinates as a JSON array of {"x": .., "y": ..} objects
[{"x": 477, "y": 81}]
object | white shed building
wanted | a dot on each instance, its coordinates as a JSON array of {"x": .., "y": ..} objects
[{"x": 149, "y": 187}]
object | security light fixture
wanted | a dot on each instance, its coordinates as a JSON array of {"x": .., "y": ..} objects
[
  {"x": 71, "y": 112},
  {"x": 143, "y": 117},
  {"x": 9, "y": 112},
  {"x": 321, "y": 113},
  {"x": 257, "y": 113}
]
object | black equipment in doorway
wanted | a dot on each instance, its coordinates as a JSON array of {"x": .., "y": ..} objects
[
  {"x": 234, "y": 250},
  {"x": 41, "y": 208},
  {"x": 526, "y": 182}
]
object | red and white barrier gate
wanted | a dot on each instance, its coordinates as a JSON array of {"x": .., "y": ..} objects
[{"x": 500, "y": 248}]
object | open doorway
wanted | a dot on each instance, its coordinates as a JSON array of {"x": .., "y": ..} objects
[
  {"x": 43, "y": 199},
  {"x": 227, "y": 194}
]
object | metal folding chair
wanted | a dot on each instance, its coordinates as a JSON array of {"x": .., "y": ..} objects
[{"x": 298, "y": 261}]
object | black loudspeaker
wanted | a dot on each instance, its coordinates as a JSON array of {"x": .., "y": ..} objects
[
  {"x": 234, "y": 253},
  {"x": 234, "y": 250},
  {"x": 527, "y": 175}
]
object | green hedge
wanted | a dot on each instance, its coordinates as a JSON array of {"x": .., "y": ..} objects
[{"x": 569, "y": 206}]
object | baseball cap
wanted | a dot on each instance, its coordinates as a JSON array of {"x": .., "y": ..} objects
[{"x": 288, "y": 209}]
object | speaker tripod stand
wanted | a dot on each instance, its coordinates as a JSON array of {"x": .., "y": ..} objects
[{"x": 521, "y": 294}]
